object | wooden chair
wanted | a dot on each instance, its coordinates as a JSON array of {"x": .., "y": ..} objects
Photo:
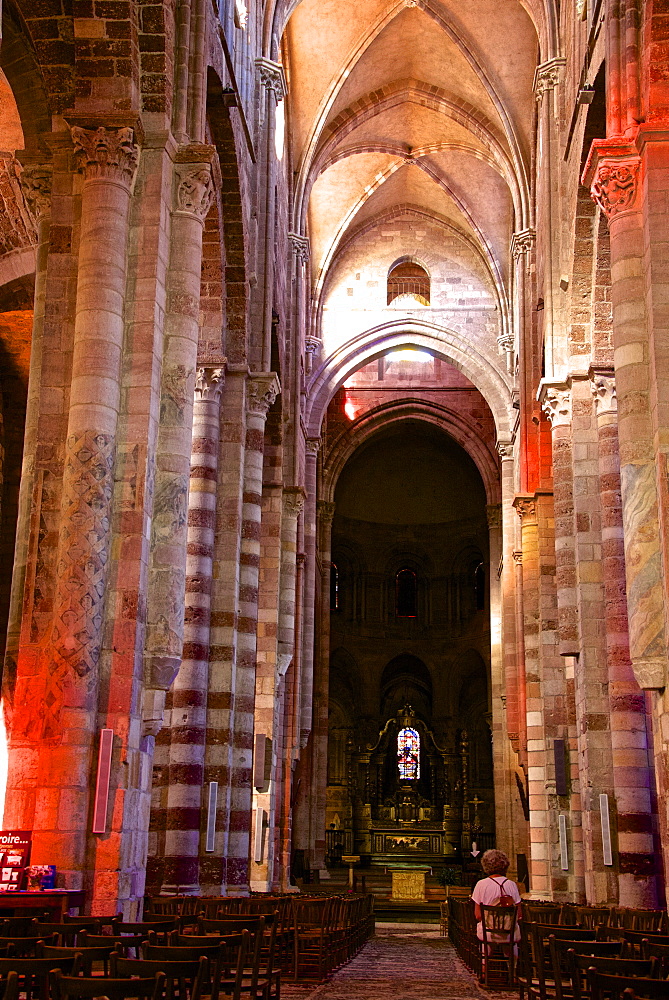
[
  {"x": 636, "y": 939},
  {"x": 539, "y": 937},
  {"x": 311, "y": 927},
  {"x": 85, "y": 988},
  {"x": 498, "y": 925},
  {"x": 651, "y": 949},
  {"x": 591, "y": 917},
  {"x": 651, "y": 921},
  {"x": 603, "y": 986},
  {"x": 580, "y": 966},
  {"x": 543, "y": 913},
  {"x": 9, "y": 987},
  {"x": 560, "y": 950},
  {"x": 24, "y": 947},
  {"x": 93, "y": 924},
  {"x": 184, "y": 980},
  {"x": 87, "y": 956},
  {"x": 228, "y": 977},
  {"x": 64, "y": 934},
  {"x": 32, "y": 974}
]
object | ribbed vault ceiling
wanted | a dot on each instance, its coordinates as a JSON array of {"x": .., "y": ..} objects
[{"x": 414, "y": 103}]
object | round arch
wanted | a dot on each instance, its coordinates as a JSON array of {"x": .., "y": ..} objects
[
  {"x": 388, "y": 414},
  {"x": 449, "y": 345}
]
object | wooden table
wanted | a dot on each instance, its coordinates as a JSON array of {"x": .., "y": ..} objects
[{"x": 56, "y": 901}]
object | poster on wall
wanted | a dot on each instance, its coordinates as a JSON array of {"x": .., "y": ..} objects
[{"x": 14, "y": 857}]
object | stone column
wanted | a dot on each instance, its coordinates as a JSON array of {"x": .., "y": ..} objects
[
  {"x": 189, "y": 692},
  {"x": 633, "y": 779},
  {"x": 308, "y": 627},
  {"x": 319, "y": 757},
  {"x": 262, "y": 390},
  {"x": 546, "y": 80},
  {"x": 193, "y": 192},
  {"x": 108, "y": 158},
  {"x": 288, "y": 745},
  {"x": 219, "y": 756},
  {"x": 36, "y": 186},
  {"x": 627, "y": 179}
]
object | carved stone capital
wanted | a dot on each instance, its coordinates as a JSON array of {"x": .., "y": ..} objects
[
  {"x": 272, "y": 77},
  {"x": 603, "y": 388},
  {"x": 209, "y": 382},
  {"x": 555, "y": 401},
  {"x": 522, "y": 242},
  {"x": 262, "y": 390},
  {"x": 312, "y": 345},
  {"x": 493, "y": 513},
  {"x": 505, "y": 449},
  {"x": 300, "y": 247},
  {"x": 106, "y": 152},
  {"x": 547, "y": 76},
  {"x": 293, "y": 500},
  {"x": 35, "y": 180},
  {"x": 312, "y": 445},
  {"x": 517, "y": 557},
  {"x": 611, "y": 173},
  {"x": 326, "y": 511},
  {"x": 194, "y": 189},
  {"x": 526, "y": 506}
]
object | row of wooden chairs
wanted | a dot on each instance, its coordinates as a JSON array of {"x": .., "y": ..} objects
[
  {"x": 572, "y": 915},
  {"x": 556, "y": 961},
  {"x": 230, "y": 969},
  {"x": 314, "y": 934}
]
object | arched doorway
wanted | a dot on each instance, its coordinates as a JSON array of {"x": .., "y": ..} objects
[{"x": 410, "y": 628}]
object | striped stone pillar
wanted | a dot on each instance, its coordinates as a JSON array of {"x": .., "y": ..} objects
[
  {"x": 309, "y": 612},
  {"x": 262, "y": 389},
  {"x": 288, "y": 734},
  {"x": 193, "y": 193},
  {"x": 220, "y": 754},
  {"x": 183, "y": 820},
  {"x": 633, "y": 780},
  {"x": 326, "y": 512},
  {"x": 68, "y": 701}
]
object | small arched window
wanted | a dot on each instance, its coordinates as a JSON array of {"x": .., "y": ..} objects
[
  {"x": 405, "y": 594},
  {"x": 409, "y": 280},
  {"x": 479, "y": 587},
  {"x": 334, "y": 587},
  {"x": 408, "y": 754}
]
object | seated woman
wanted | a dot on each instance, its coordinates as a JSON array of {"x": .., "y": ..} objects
[{"x": 488, "y": 890}]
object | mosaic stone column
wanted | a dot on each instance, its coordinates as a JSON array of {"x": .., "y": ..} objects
[
  {"x": 193, "y": 193},
  {"x": 189, "y": 691},
  {"x": 262, "y": 390},
  {"x": 36, "y": 186},
  {"x": 633, "y": 779},
  {"x": 108, "y": 159}
]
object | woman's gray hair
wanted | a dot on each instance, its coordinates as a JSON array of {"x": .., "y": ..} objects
[{"x": 495, "y": 863}]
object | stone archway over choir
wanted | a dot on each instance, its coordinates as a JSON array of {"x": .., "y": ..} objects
[{"x": 334, "y": 422}]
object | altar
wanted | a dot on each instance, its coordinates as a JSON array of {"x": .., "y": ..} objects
[{"x": 409, "y": 883}]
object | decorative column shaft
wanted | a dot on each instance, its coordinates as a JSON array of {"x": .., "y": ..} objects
[
  {"x": 189, "y": 692},
  {"x": 613, "y": 174},
  {"x": 633, "y": 778},
  {"x": 108, "y": 158},
  {"x": 193, "y": 192},
  {"x": 262, "y": 390}
]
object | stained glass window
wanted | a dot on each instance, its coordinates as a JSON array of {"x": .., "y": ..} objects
[{"x": 408, "y": 754}]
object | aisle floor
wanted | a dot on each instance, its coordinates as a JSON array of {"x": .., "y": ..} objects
[{"x": 402, "y": 962}]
